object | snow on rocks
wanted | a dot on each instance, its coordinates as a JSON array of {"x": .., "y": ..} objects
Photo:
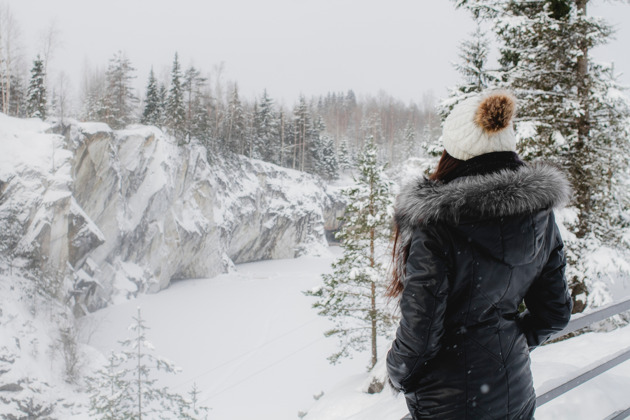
[
  {"x": 166, "y": 209},
  {"x": 135, "y": 197}
]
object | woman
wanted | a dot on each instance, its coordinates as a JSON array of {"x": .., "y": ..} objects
[{"x": 473, "y": 242}]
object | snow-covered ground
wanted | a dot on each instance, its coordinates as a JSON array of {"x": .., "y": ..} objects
[
  {"x": 248, "y": 339},
  {"x": 254, "y": 346}
]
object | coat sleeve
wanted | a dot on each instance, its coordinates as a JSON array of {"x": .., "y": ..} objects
[
  {"x": 422, "y": 307},
  {"x": 548, "y": 301}
]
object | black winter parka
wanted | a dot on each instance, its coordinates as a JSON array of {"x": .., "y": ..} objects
[{"x": 479, "y": 246}]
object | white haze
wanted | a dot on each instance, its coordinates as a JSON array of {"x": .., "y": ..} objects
[{"x": 403, "y": 47}]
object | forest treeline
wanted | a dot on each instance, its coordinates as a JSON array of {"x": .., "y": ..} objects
[{"x": 320, "y": 134}]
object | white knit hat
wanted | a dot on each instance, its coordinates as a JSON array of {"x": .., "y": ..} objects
[{"x": 481, "y": 124}]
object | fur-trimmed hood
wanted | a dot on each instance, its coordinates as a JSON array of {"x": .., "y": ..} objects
[{"x": 504, "y": 193}]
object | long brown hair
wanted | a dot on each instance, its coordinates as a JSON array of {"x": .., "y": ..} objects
[{"x": 446, "y": 166}]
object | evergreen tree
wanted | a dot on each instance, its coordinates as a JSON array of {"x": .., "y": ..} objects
[
  {"x": 344, "y": 156},
  {"x": 127, "y": 388},
  {"x": 315, "y": 145},
  {"x": 410, "y": 142},
  {"x": 473, "y": 54},
  {"x": 175, "y": 110},
  {"x": 163, "y": 104},
  {"x": 267, "y": 137},
  {"x": 36, "y": 103},
  {"x": 288, "y": 140},
  {"x": 200, "y": 126},
  {"x": 152, "y": 114},
  {"x": 328, "y": 166},
  {"x": 283, "y": 134},
  {"x": 93, "y": 92},
  {"x": 569, "y": 109},
  {"x": 353, "y": 295},
  {"x": 119, "y": 101},
  {"x": 255, "y": 146},
  {"x": 18, "y": 101},
  {"x": 193, "y": 409},
  {"x": 109, "y": 391},
  {"x": 144, "y": 392},
  {"x": 302, "y": 126},
  {"x": 196, "y": 105},
  {"x": 251, "y": 132},
  {"x": 372, "y": 128},
  {"x": 235, "y": 124}
]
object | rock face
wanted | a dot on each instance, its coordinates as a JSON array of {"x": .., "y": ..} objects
[
  {"x": 129, "y": 211},
  {"x": 42, "y": 225}
]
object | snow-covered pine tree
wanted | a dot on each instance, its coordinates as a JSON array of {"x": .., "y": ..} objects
[
  {"x": 109, "y": 391},
  {"x": 152, "y": 114},
  {"x": 353, "y": 295},
  {"x": 175, "y": 110},
  {"x": 145, "y": 395},
  {"x": 201, "y": 123},
  {"x": 267, "y": 136},
  {"x": 163, "y": 104},
  {"x": 193, "y": 410},
  {"x": 314, "y": 146},
  {"x": 120, "y": 100},
  {"x": 371, "y": 127},
  {"x": 410, "y": 142},
  {"x": 351, "y": 117},
  {"x": 344, "y": 156},
  {"x": 570, "y": 111},
  {"x": 93, "y": 91},
  {"x": 252, "y": 139},
  {"x": 195, "y": 104},
  {"x": 37, "y": 102},
  {"x": 235, "y": 124},
  {"x": 282, "y": 138},
  {"x": 473, "y": 55},
  {"x": 18, "y": 102},
  {"x": 302, "y": 126},
  {"x": 288, "y": 133},
  {"x": 328, "y": 168},
  {"x": 251, "y": 131},
  {"x": 127, "y": 388}
]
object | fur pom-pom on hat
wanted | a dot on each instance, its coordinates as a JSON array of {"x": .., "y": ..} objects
[
  {"x": 495, "y": 112},
  {"x": 481, "y": 124}
]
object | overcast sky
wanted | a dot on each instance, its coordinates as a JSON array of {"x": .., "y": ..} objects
[{"x": 404, "y": 47}]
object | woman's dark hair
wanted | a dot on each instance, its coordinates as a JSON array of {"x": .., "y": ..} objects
[{"x": 445, "y": 168}]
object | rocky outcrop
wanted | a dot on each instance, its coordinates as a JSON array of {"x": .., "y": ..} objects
[
  {"x": 128, "y": 211},
  {"x": 41, "y": 220}
]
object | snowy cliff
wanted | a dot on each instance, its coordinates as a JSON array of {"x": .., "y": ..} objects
[
  {"x": 90, "y": 216},
  {"x": 128, "y": 211}
]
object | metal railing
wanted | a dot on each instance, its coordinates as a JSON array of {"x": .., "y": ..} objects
[{"x": 547, "y": 393}]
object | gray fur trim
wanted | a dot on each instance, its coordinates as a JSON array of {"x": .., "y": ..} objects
[{"x": 507, "y": 192}]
